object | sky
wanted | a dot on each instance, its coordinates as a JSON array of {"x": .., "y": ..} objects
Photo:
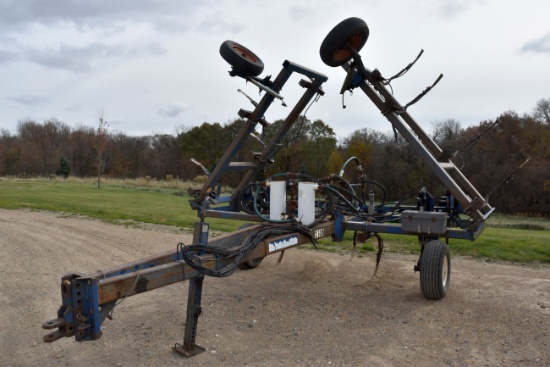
[{"x": 153, "y": 66}]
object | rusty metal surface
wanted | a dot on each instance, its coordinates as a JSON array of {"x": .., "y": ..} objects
[{"x": 126, "y": 280}]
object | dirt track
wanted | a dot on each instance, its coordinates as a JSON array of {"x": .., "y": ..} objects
[{"x": 314, "y": 309}]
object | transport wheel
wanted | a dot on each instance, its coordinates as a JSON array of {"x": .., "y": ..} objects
[
  {"x": 246, "y": 199},
  {"x": 435, "y": 270},
  {"x": 245, "y": 62},
  {"x": 252, "y": 263},
  {"x": 352, "y": 31}
]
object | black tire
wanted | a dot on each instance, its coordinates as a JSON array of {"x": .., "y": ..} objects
[
  {"x": 252, "y": 263},
  {"x": 245, "y": 62},
  {"x": 435, "y": 270},
  {"x": 333, "y": 49},
  {"x": 246, "y": 199}
]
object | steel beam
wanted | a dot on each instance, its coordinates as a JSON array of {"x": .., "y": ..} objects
[
  {"x": 428, "y": 150},
  {"x": 87, "y": 299}
]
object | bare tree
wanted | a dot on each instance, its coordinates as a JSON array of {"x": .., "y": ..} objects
[
  {"x": 100, "y": 142},
  {"x": 541, "y": 112},
  {"x": 43, "y": 144},
  {"x": 446, "y": 130},
  {"x": 83, "y": 151}
]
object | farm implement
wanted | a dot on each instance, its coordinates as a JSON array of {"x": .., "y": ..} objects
[{"x": 287, "y": 209}]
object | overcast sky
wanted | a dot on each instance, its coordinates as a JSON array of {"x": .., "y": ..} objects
[{"x": 153, "y": 65}]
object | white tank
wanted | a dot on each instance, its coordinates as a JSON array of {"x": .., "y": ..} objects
[
  {"x": 306, "y": 202},
  {"x": 277, "y": 200}
]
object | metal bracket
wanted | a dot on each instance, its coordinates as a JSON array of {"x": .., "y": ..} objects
[
  {"x": 194, "y": 310},
  {"x": 79, "y": 315},
  {"x": 245, "y": 114},
  {"x": 339, "y": 228},
  {"x": 309, "y": 85}
]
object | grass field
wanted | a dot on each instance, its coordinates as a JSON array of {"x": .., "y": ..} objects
[
  {"x": 118, "y": 201},
  {"x": 508, "y": 238}
]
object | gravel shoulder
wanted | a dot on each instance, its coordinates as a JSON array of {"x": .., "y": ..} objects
[{"x": 313, "y": 309}]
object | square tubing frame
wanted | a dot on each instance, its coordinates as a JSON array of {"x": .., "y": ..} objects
[
  {"x": 194, "y": 309},
  {"x": 81, "y": 314},
  {"x": 451, "y": 177},
  {"x": 253, "y": 118}
]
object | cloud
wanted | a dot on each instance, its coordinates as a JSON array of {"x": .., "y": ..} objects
[
  {"x": 73, "y": 108},
  {"x": 173, "y": 110},
  {"x": 454, "y": 8},
  {"x": 6, "y": 56},
  {"x": 172, "y": 24},
  {"x": 21, "y": 15},
  {"x": 90, "y": 30},
  {"x": 215, "y": 23},
  {"x": 80, "y": 59},
  {"x": 539, "y": 46},
  {"x": 298, "y": 13},
  {"x": 77, "y": 59},
  {"x": 28, "y": 99},
  {"x": 154, "y": 49}
]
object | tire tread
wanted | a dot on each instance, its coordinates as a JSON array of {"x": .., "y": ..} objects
[
  {"x": 337, "y": 38},
  {"x": 432, "y": 258}
]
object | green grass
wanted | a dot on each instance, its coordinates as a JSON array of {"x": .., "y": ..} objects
[
  {"x": 112, "y": 203},
  {"x": 127, "y": 202},
  {"x": 494, "y": 244},
  {"x": 518, "y": 222}
]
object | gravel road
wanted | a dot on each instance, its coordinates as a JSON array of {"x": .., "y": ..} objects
[{"x": 313, "y": 309}]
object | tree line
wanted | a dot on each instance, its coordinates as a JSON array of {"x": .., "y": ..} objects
[{"x": 487, "y": 153}]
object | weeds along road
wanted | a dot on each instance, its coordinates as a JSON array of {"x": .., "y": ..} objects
[{"x": 313, "y": 309}]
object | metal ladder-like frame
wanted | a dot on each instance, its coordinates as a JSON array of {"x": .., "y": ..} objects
[
  {"x": 473, "y": 203},
  {"x": 226, "y": 163}
]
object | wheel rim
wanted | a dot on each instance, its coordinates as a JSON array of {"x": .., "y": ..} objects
[
  {"x": 354, "y": 41},
  {"x": 244, "y": 53},
  {"x": 445, "y": 271}
]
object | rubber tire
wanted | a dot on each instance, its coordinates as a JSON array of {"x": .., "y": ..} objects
[
  {"x": 333, "y": 50},
  {"x": 435, "y": 270},
  {"x": 245, "y": 62},
  {"x": 252, "y": 263},
  {"x": 248, "y": 206}
]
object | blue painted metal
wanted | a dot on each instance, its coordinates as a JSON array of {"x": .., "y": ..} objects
[
  {"x": 339, "y": 227},
  {"x": 85, "y": 308},
  {"x": 460, "y": 234},
  {"x": 200, "y": 233},
  {"x": 79, "y": 314},
  {"x": 82, "y": 296}
]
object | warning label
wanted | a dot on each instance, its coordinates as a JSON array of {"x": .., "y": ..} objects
[{"x": 283, "y": 243}]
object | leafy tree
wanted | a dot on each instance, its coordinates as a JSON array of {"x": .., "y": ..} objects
[
  {"x": 206, "y": 143},
  {"x": 320, "y": 143},
  {"x": 64, "y": 167},
  {"x": 488, "y": 152},
  {"x": 289, "y": 154},
  {"x": 500, "y": 152},
  {"x": 362, "y": 144},
  {"x": 335, "y": 161}
]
